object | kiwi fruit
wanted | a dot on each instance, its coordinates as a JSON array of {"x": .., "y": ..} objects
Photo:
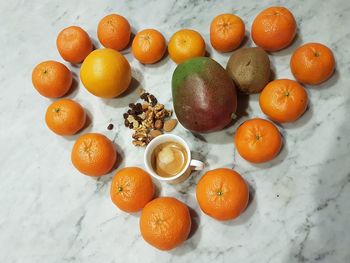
[{"x": 250, "y": 69}]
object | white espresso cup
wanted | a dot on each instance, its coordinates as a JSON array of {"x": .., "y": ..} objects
[{"x": 186, "y": 171}]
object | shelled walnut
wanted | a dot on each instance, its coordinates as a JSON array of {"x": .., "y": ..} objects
[{"x": 147, "y": 119}]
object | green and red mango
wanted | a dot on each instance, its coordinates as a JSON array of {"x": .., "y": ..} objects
[{"x": 204, "y": 95}]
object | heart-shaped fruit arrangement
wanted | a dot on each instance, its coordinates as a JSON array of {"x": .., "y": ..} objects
[{"x": 204, "y": 100}]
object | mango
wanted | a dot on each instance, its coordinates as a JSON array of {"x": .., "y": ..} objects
[{"x": 204, "y": 95}]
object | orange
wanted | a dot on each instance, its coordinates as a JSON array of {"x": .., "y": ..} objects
[
  {"x": 65, "y": 117},
  {"x": 131, "y": 189},
  {"x": 51, "y": 79},
  {"x": 165, "y": 223},
  {"x": 258, "y": 140},
  {"x": 222, "y": 194},
  {"x": 226, "y": 32},
  {"x": 274, "y": 28},
  {"x": 186, "y": 44},
  {"x": 148, "y": 46},
  {"x": 283, "y": 100},
  {"x": 114, "y": 32},
  {"x": 312, "y": 63},
  {"x": 93, "y": 154},
  {"x": 73, "y": 44},
  {"x": 105, "y": 73}
]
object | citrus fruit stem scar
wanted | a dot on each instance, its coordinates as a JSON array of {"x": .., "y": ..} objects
[{"x": 220, "y": 193}]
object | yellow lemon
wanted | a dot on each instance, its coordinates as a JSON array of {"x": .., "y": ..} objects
[{"x": 105, "y": 73}]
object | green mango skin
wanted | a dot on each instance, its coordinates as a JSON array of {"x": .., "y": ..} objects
[{"x": 204, "y": 96}]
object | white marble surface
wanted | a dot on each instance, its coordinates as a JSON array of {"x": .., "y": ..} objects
[{"x": 300, "y": 210}]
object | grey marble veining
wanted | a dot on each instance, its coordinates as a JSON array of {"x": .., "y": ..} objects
[{"x": 299, "y": 210}]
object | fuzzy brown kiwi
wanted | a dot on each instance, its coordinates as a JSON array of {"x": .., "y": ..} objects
[{"x": 250, "y": 69}]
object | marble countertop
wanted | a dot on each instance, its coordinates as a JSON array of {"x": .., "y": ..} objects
[{"x": 300, "y": 209}]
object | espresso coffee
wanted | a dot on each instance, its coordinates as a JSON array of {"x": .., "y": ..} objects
[{"x": 169, "y": 159}]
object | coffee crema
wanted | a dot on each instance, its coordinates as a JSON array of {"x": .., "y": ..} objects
[{"x": 169, "y": 159}]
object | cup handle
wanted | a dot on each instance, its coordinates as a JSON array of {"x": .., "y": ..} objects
[{"x": 196, "y": 165}]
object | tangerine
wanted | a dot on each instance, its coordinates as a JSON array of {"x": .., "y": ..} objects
[
  {"x": 65, "y": 117},
  {"x": 165, "y": 223},
  {"x": 186, "y": 44},
  {"x": 258, "y": 140},
  {"x": 93, "y": 154},
  {"x": 131, "y": 189},
  {"x": 312, "y": 63},
  {"x": 114, "y": 32},
  {"x": 52, "y": 79},
  {"x": 222, "y": 194},
  {"x": 74, "y": 44},
  {"x": 148, "y": 46},
  {"x": 283, "y": 100},
  {"x": 226, "y": 32},
  {"x": 274, "y": 28}
]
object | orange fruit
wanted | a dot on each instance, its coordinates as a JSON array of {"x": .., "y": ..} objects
[
  {"x": 73, "y": 44},
  {"x": 274, "y": 28},
  {"x": 65, "y": 117},
  {"x": 226, "y": 32},
  {"x": 222, "y": 194},
  {"x": 148, "y": 46},
  {"x": 105, "y": 73},
  {"x": 114, "y": 32},
  {"x": 258, "y": 140},
  {"x": 312, "y": 63},
  {"x": 93, "y": 154},
  {"x": 131, "y": 189},
  {"x": 165, "y": 223},
  {"x": 51, "y": 79},
  {"x": 283, "y": 100},
  {"x": 186, "y": 44}
]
